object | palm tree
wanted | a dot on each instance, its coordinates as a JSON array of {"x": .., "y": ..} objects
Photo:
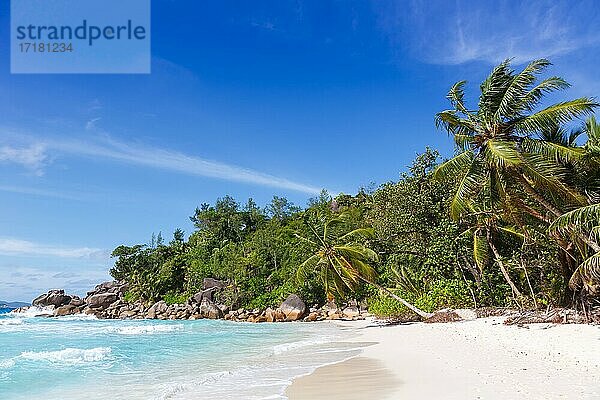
[
  {"x": 584, "y": 220},
  {"x": 341, "y": 262},
  {"x": 582, "y": 225},
  {"x": 496, "y": 143},
  {"x": 501, "y": 146},
  {"x": 590, "y": 165}
]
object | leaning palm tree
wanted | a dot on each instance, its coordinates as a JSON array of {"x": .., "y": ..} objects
[
  {"x": 497, "y": 143},
  {"x": 341, "y": 262}
]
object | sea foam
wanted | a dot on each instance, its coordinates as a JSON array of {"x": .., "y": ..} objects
[
  {"x": 33, "y": 311},
  {"x": 285, "y": 347},
  {"x": 10, "y": 321},
  {"x": 68, "y": 356},
  {"x": 146, "y": 329}
]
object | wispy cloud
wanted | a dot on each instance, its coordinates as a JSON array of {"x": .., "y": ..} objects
[
  {"x": 37, "y": 192},
  {"x": 91, "y": 124},
  {"x": 456, "y": 33},
  {"x": 18, "y": 247},
  {"x": 169, "y": 160},
  {"x": 32, "y": 157},
  {"x": 35, "y": 155}
]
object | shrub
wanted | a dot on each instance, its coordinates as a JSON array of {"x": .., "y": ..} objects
[{"x": 173, "y": 298}]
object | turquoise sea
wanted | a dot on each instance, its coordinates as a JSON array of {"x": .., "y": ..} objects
[{"x": 79, "y": 357}]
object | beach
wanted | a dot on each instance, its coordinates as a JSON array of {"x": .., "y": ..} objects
[{"x": 479, "y": 359}]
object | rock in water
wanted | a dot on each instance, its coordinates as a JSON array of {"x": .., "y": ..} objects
[
  {"x": 76, "y": 301},
  {"x": 208, "y": 309},
  {"x": 54, "y": 298},
  {"x": 66, "y": 310},
  {"x": 293, "y": 307}
]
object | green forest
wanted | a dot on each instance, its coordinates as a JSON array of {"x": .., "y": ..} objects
[{"x": 511, "y": 220}]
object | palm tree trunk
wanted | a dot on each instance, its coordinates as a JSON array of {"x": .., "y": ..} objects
[
  {"x": 538, "y": 197},
  {"x": 498, "y": 259},
  {"x": 414, "y": 309},
  {"x": 534, "y": 213}
]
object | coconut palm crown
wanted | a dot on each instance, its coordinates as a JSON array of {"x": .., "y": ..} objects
[
  {"x": 341, "y": 261},
  {"x": 498, "y": 144}
]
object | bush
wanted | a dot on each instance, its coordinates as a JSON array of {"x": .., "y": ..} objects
[
  {"x": 130, "y": 297},
  {"x": 443, "y": 293},
  {"x": 172, "y": 298}
]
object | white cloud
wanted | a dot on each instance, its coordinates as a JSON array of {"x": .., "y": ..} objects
[
  {"x": 91, "y": 124},
  {"x": 33, "y": 157},
  {"x": 18, "y": 247},
  {"x": 178, "y": 162},
  {"x": 460, "y": 32},
  {"x": 36, "y": 157},
  {"x": 37, "y": 192}
]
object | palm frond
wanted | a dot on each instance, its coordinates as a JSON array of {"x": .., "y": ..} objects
[
  {"x": 557, "y": 152},
  {"x": 464, "y": 142},
  {"x": 358, "y": 252},
  {"x": 454, "y": 167},
  {"x": 592, "y": 130},
  {"x": 303, "y": 269},
  {"x": 363, "y": 232},
  {"x": 469, "y": 185},
  {"x": 512, "y": 231},
  {"x": 582, "y": 217},
  {"x": 535, "y": 94},
  {"x": 302, "y": 238},
  {"x": 480, "y": 250},
  {"x": 559, "y": 113},
  {"x": 450, "y": 121},
  {"x": 365, "y": 270},
  {"x": 511, "y": 104},
  {"x": 493, "y": 89},
  {"x": 502, "y": 153},
  {"x": 547, "y": 176},
  {"x": 456, "y": 96},
  {"x": 587, "y": 274}
]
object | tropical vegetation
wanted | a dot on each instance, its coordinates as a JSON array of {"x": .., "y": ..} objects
[{"x": 512, "y": 219}]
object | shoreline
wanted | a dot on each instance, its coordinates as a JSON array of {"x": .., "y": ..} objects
[{"x": 482, "y": 358}]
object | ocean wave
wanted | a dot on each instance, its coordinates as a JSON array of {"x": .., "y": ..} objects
[
  {"x": 146, "y": 329},
  {"x": 78, "y": 317},
  {"x": 285, "y": 347},
  {"x": 33, "y": 311},
  {"x": 10, "y": 321},
  {"x": 175, "y": 389},
  {"x": 6, "y": 364},
  {"x": 68, "y": 356}
]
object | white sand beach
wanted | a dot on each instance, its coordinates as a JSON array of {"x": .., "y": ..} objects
[{"x": 480, "y": 359}]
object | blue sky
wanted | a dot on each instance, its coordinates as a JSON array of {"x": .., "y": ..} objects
[{"x": 250, "y": 99}]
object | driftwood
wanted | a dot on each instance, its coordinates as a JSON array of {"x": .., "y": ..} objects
[{"x": 555, "y": 316}]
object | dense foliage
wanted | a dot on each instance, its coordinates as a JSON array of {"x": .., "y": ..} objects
[{"x": 511, "y": 219}]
